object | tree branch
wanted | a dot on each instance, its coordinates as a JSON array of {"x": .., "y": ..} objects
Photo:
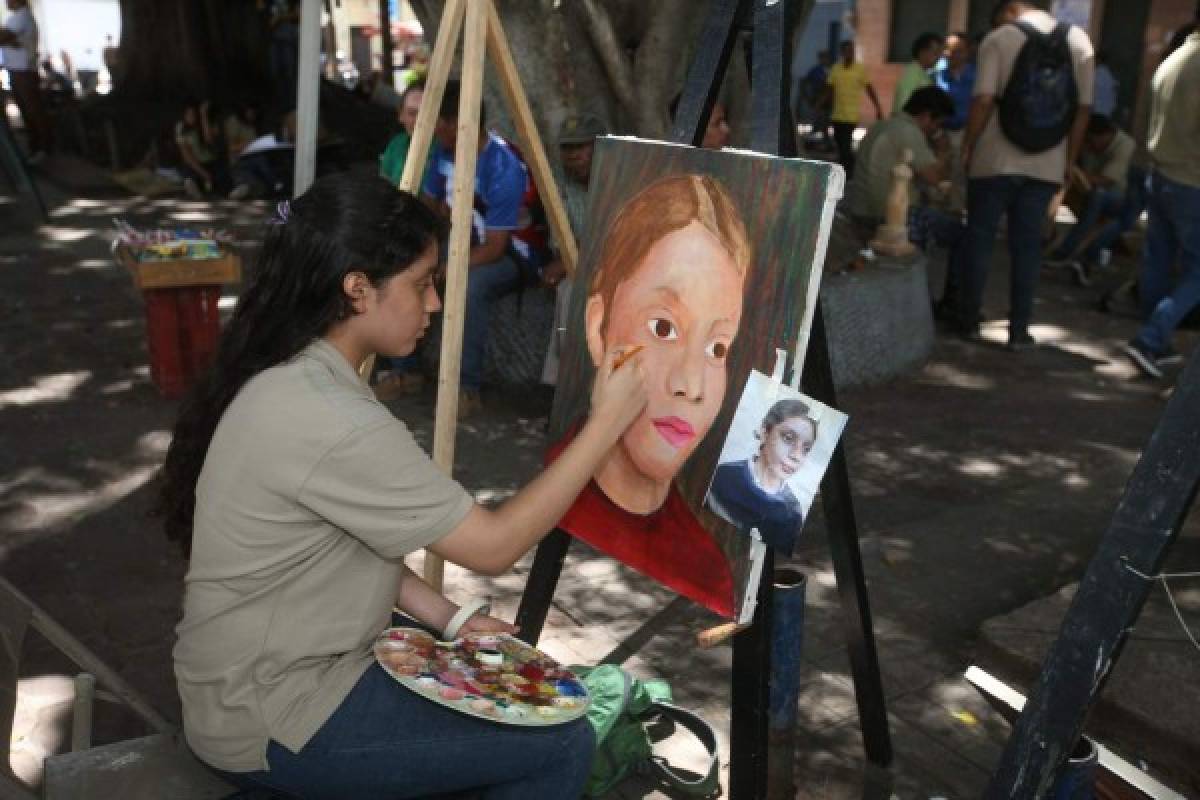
[
  {"x": 657, "y": 62},
  {"x": 604, "y": 38}
]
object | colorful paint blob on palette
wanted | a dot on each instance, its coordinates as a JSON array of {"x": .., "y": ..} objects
[{"x": 495, "y": 676}]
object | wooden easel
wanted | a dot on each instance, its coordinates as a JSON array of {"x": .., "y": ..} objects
[
  {"x": 1156, "y": 501},
  {"x": 772, "y": 133},
  {"x": 482, "y": 32}
]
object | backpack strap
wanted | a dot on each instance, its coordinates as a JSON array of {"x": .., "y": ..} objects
[
  {"x": 706, "y": 784},
  {"x": 1057, "y": 35},
  {"x": 1027, "y": 29}
]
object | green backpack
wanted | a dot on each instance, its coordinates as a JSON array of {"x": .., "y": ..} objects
[{"x": 621, "y": 707}]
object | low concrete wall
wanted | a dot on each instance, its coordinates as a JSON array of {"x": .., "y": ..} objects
[{"x": 879, "y": 321}]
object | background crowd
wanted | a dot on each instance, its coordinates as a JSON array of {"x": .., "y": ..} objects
[{"x": 976, "y": 170}]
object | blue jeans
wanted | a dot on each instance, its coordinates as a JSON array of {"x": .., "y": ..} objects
[
  {"x": 485, "y": 284},
  {"x": 1100, "y": 203},
  {"x": 1174, "y": 232},
  {"x": 931, "y": 226},
  {"x": 1025, "y": 200},
  {"x": 386, "y": 741},
  {"x": 1134, "y": 203}
]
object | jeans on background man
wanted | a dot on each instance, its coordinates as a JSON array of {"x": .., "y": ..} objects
[
  {"x": 1133, "y": 203},
  {"x": 1025, "y": 201},
  {"x": 934, "y": 227},
  {"x": 485, "y": 284},
  {"x": 1100, "y": 203},
  {"x": 1173, "y": 232}
]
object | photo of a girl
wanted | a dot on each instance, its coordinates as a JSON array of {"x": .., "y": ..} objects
[
  {"x": 754, "y": 492},
  {"x": 771, "y": 465}
]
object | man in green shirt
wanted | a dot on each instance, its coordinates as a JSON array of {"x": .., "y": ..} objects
[
  {"x": 391, "y": 163},
  {"x": 1174, "y": 206},
  {"x": 399, "y": 376},
  {"x": 926, "y": 50}
]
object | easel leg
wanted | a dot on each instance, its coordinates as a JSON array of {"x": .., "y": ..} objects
[
  {"x": 752, "y": 668},
  {"x": 847, "y": 565},
  {"x": 466, "y": 153},
  {"x": 543, "y": 580},
  {"x": 750, "y": 697},
  {"x": 1156, "y": 501},
  {"x": 706, "y": 72}
]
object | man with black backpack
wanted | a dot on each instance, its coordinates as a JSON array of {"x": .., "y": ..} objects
[{"x": 1029, "y": 110}]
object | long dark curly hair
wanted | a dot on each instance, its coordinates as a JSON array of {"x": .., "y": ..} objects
[{"x": 343, "y": 223}]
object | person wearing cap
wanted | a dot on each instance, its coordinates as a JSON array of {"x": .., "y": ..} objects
[{"x": 576, "y": 145}]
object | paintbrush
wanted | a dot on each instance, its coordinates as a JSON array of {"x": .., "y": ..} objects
[{"x": 621, "y": 359}]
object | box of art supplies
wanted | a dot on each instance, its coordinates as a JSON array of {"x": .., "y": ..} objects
[{"x": 179, "y": 273}]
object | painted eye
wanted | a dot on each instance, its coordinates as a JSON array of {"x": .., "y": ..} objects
[
  {"x": 662, "y": 328},
  {"x": 718, "y": 350}
]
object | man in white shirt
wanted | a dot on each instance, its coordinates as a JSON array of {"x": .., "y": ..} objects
[{"x": 18, "y": 41}]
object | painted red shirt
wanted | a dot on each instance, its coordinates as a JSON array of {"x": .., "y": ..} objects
[{"x": 669, "y": 545}]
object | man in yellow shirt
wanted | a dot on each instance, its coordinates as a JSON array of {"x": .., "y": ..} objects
[{"x": 847, "y": 81}]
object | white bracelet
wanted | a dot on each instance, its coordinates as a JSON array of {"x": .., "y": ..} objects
[{"x": 463, "y": 614}]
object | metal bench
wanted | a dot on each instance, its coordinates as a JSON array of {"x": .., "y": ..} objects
[{"x": 155, "y": 766}]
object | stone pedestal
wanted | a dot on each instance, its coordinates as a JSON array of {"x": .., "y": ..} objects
[{"x": 879, "y": 321}]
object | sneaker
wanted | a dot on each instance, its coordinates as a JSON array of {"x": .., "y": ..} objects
[
  {"x": 1020, "y": 341},
  {"x": 469, "y": 403},
  {"x": 1082, "y": 273},
  {"x": 1169, "y": 358},
  {"x": 240, "y": 192},
  {"x": 192, "y": 190},
  {"x": 1143, "y": 359}
]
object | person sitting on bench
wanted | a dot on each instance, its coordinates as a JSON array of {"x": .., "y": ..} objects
[
  {"x": 298, "y": 495},
  {"x": 1102, "y": 185}
]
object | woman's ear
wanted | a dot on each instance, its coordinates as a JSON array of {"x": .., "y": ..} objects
[
  {"x": 356, "y": 284},
  {"x": 594, "y": 327}
]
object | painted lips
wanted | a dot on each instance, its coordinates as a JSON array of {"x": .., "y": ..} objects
[{"x": 676, "y": 431}]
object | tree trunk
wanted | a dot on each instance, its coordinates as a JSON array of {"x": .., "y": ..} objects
[
  {"x": 175, "y": 50},
  {"x": 622, "y": 60}
]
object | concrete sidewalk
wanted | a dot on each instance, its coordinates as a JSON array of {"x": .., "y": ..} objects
[{"x": 982, "y": 483}]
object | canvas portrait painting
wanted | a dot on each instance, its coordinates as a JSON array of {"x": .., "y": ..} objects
[
  {"x": 707, "y": 261},
  {"x": 775, "y": 455}
]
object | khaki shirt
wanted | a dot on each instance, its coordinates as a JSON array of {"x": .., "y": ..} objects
[
  {"x": 1114, "y": 162},
  {"x": 310, "y": 496},
  {"x": 1174, "y": 132},
  {"x": 881, "y": 149},
  {"x": 994, "y": 154}
]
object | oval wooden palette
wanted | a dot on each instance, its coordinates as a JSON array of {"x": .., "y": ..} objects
[{"x": 491, "y": 676}]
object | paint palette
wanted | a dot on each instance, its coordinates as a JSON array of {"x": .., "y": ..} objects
[{"x": 493, "y": 676}]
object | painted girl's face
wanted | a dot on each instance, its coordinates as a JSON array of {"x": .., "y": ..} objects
[
  {"x": 683, "y": 304},
  {"x": 785, "y": 447}
]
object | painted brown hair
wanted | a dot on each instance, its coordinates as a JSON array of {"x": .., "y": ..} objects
[{"x": 664, "y": 207}]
